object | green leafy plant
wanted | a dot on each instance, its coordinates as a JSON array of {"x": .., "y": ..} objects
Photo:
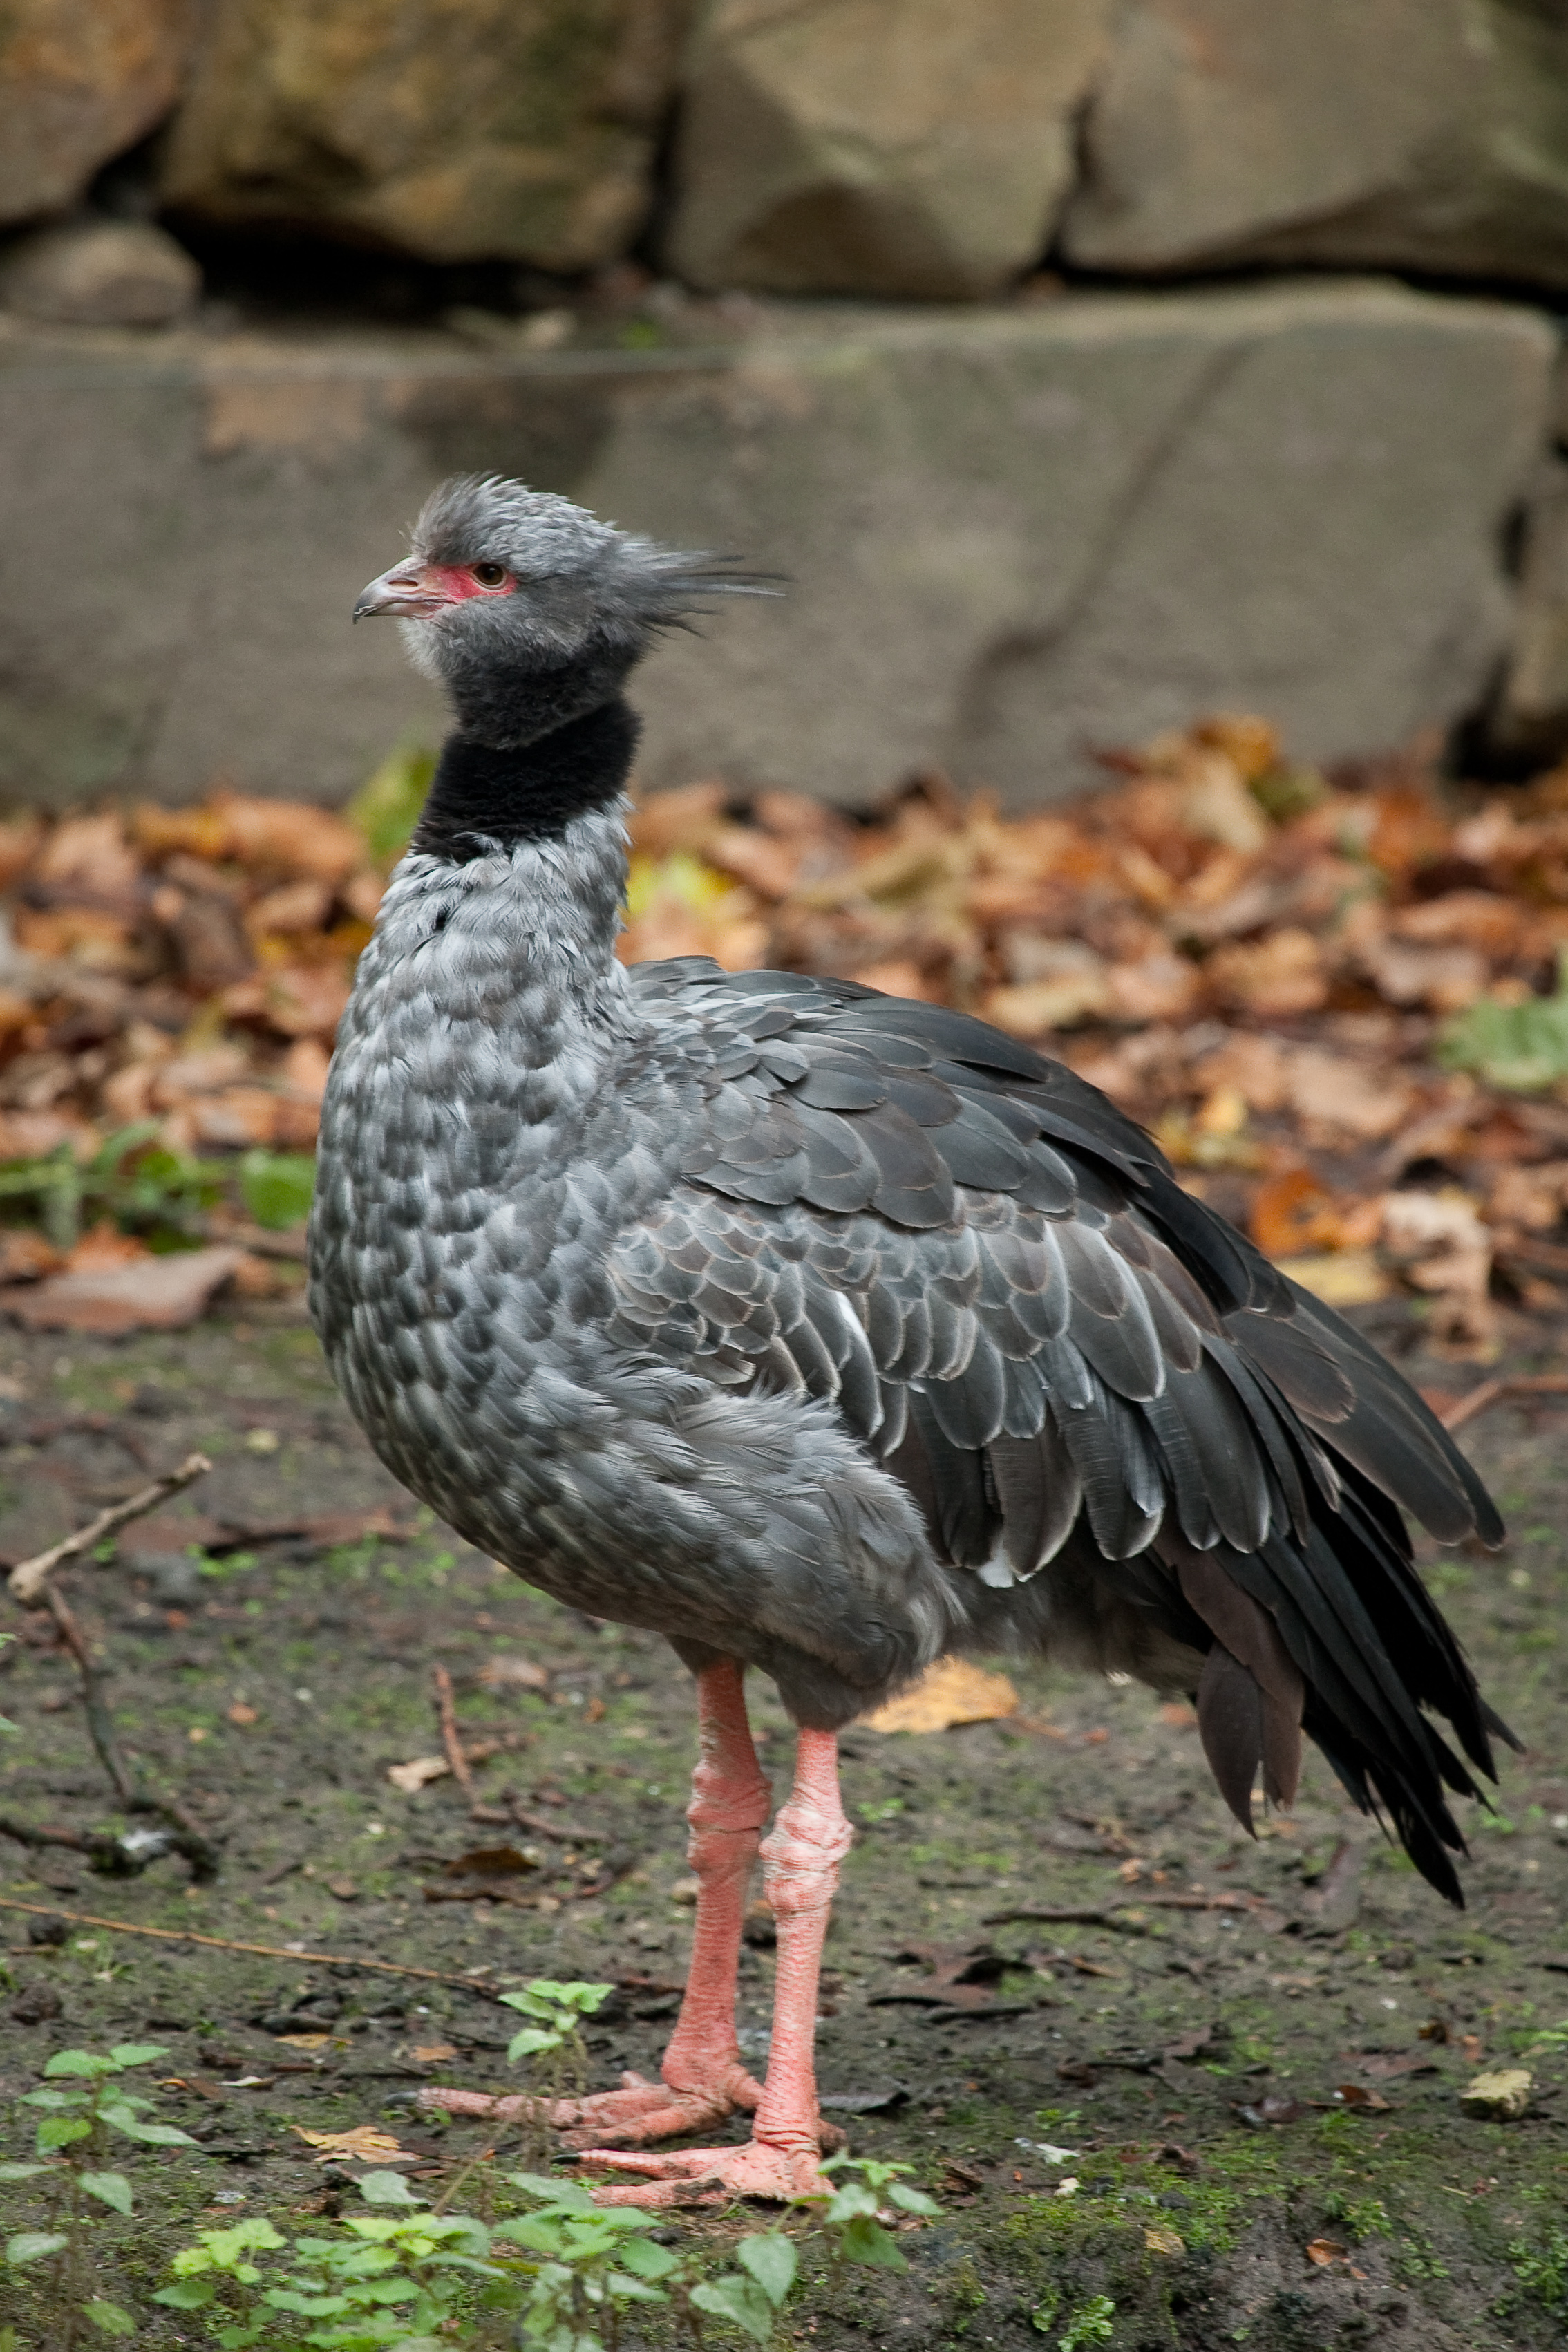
[
  {"x": 1541, "y": 2268},
  {"x": 72, "y": 2139},
  {"x": 1092, "y": 2323},
  {"x": 391, "y": 2278},
  {"x": 851, "y": 2216},
  {"x": 386, "y": 808},
  {"x": 276, "y": 1187},
  {"x": 552, "y": 2041},
  {"x": 142, "y": 1187},
  {"x": 1522, "y": 1046},
  {"x": 400, "y": 2278}
]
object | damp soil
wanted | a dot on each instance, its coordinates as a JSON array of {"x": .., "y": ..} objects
[{"x": 1237, "y": 2051}]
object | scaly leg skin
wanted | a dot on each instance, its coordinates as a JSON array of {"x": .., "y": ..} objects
[
  {"x": 801, "y": 1858},
  {"x": 704, "y": 2079}
]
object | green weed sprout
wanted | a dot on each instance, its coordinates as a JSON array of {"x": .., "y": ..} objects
[
  {"x": 1092, "y": 2323},
  {"x": 400, "y": 2278},
  {"x": 850, "y": 2218},
  {"x": 72, "y": 2141},
  {"x": 553, "y": 2042}
]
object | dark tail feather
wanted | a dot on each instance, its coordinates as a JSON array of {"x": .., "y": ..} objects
[
  {"x": 1250, "y": 1694},
  {"x": 1335, "y": 1633}
]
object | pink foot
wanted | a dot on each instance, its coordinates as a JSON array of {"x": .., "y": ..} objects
[
  {"x": 712, "y": 2176},
  {"x": 642, "y": 2110}
]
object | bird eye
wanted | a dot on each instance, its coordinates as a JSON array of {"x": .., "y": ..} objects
[{"x": 490, "y": 575}]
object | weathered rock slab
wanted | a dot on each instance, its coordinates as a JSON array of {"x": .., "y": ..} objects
[
  {"x": 895, "y": 147},
  {"x": 454, "y": 130},
  {"x": 1396, "y": 134},
  {"x": 100, "y": 273},
  {"x": 80, "y": 80},
  {"x": 1010, "y": 535}
]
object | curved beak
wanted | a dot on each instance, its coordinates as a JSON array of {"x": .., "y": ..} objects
[{"x": 410, "y": 591}]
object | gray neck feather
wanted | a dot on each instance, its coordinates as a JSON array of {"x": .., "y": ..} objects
[{"x": 522, "y": 937}]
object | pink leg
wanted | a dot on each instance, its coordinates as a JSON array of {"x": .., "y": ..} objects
[
  {"x": 704, "y": 2079},
  {"x": 800, "y": 1859}
]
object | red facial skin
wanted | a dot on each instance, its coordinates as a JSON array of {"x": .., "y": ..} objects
[{"x": 454, "y": 581}]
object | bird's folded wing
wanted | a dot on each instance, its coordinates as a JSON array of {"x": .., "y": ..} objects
[{"x": 973, "y": 1253}]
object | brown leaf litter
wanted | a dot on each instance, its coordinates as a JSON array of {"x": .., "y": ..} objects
[{"x": 1255, "y": 959}]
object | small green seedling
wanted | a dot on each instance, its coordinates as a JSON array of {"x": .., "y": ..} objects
[
  {"x": 852, "y": 2218},
  {"x": 400, "y": 2278},
  {"x": 552, "y": 2041},
  {"x": 1092, "y": 2323},
  {"x": 72, "y": 2140}
]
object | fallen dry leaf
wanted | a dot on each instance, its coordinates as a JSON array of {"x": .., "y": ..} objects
[
  {"x": 1445, "y": 1249},
  {"x": 103, "y": 1248},
  {"x": 1324, "y": 2251},
  {"x": 434, "y": 2054},
  {"x": 513, "y": 1673},
  {"x": 155, "y": 1294},
  {"x": 1284, "y": 973},
  {"x": 1344, "y": 1099},
  {"x": 241, "y": 1713},
  {"x": 1340, "y": 1277},
  {"x": 365, "y": 2143},
  {"x": 1356, "y": 2094},
  {"x": 27, "y": 1256},
  {"x": 951, "y": 1692},
  {"x": 1502, "y": 2096},
  {"x": 490, "y": 1862},
  {"x": 417, "y": 1773}
]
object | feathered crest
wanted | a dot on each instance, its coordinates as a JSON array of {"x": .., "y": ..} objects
[{"x": 541, "y": 537}]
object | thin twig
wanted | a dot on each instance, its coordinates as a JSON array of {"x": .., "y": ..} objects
[
  {"x": 78, "y": 1840},
  {"x": 26, "y": 1580},
  {"x": 558, "y": 1832},
  {"x": 450, "y": 1740},
  {"x": 186, "y": 1835},
  {"x": 113, "y": 1857},
  {"x": 1114, "y": 1915},
  {"x": 1501, "y": 1392},
  {"x": 29, "y": 1583},
  {"x": 265, "y": 1951},
  {"x": 93, "y": 1678}
]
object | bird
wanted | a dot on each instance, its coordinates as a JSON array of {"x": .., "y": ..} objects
[{"x": 822, "y": 1332}]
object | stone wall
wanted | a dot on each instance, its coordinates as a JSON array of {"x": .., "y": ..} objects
[
  {"x": 1010, "y": 536},
  {"x": 1024, "y": 516}
]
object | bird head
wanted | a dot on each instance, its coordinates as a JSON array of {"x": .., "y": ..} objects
[{"x": 531, "y": 611}]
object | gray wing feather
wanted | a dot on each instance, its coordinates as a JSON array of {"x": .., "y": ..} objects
[{"x": 992, "y": 1276}]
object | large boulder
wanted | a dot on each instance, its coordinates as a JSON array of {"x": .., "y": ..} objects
[
  {"x": 454, "y": 130},
  {"x": 1010, "y": 536},
  {"x": 894, "y": 147},
  {"x": 1419, "y": 134},
  {"x": 80, "y": 80}
]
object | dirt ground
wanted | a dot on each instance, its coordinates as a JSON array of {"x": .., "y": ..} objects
[{"x": 1192, "y": 2062}]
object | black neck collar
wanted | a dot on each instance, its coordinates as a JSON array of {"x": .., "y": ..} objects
[{"x": 481, "y": 795}]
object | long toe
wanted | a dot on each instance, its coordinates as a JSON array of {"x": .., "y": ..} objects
[
  {"x": 503, "y": 2105},
  {"x": 643, "y": 2111},
  {"x": 712, "y": 2176}
]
